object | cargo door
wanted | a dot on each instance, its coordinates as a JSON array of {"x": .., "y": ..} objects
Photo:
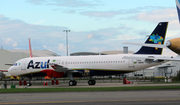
[{"x": 131, "y": 64}]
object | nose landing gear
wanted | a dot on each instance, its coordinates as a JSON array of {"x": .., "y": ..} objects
[{"x": 72, "y": 83}]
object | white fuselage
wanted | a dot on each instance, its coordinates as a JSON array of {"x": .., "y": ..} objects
[{"x": 110, "y": 63}]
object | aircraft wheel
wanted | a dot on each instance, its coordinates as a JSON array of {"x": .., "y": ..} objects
[
  {"x": 94, "y": 82},
  {"x": 74, "y": 83},
  {"x": 90, "y": 82},
  {"x": 71, "y": 83},
  {"x": 29, "y": 84}
]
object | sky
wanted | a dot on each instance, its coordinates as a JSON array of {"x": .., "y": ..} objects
[{"x": 95, "y": 25}]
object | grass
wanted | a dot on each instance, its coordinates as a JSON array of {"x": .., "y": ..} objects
[
  {"x": 158, "y": 82},
  {"x": 28, "y": 90}
]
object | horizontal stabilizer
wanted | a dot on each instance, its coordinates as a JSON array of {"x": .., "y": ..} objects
[
  {"x": 147, "y": 45},
  {"x": 9, "y": 64}
]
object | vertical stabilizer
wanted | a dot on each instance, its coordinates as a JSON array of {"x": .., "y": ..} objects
[
  {"x": 30, "y": 50},
  {"x": 156, "y": 37},
  {"x": 178, "y": 8}
]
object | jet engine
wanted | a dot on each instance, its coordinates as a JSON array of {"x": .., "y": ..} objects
[{"x": 174, "y": 45}]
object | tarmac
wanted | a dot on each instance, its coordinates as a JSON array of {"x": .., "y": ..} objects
[
  {"x": 138, "y": 97},
  {"x": 147, "y": 97},
  {"x": 84, "y": 84}
]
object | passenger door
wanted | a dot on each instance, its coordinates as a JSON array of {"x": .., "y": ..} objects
[{"x": 23, "y": 65}]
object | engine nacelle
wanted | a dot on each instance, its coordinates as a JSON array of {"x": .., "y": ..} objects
[{"x": 174, "y": 45}]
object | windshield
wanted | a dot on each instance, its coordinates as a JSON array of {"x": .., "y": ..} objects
[{"x": 15, "y": 64}]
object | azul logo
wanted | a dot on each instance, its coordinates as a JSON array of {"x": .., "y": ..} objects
[
  {"x": 38, "y": 65},
  {"x": 156, "y": 39}
]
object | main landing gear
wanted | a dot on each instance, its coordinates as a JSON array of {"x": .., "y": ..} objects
[
  {"x": 92, "y": 82},
  {"x": 72, "y": 83}
]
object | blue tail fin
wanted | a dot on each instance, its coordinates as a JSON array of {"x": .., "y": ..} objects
[
  {"x": 178, "y": 8},
  {"x": 156, "y": 37}
]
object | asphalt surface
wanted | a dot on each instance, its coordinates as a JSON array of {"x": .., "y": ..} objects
[
  {"x": 155, "y": 97},
  {"x": 151, "y": 97},
  {"x": 84, "y": 84}
]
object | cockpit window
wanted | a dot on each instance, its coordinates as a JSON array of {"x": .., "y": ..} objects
[{"x": 15, "y": 64}]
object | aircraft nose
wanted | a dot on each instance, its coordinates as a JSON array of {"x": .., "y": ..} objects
[{"x": 10, "y": 69}]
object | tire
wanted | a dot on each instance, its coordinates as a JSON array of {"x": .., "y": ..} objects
[
  {"x": 90, "y": 82},
  {"x": 94, "y": 82},
  {"x": 29, "y": 84},
  {"x": 71, "y": 83},
  {"x": 74, "y": 83}
]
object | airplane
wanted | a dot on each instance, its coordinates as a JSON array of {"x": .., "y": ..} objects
[{"x": 96, "y": 65}]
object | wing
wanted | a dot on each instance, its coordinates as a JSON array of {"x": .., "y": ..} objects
[
  {"x": 150, "y": 59},
  {"x": 4, "y": 70},
  {"x": 60, "y": 68}
]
